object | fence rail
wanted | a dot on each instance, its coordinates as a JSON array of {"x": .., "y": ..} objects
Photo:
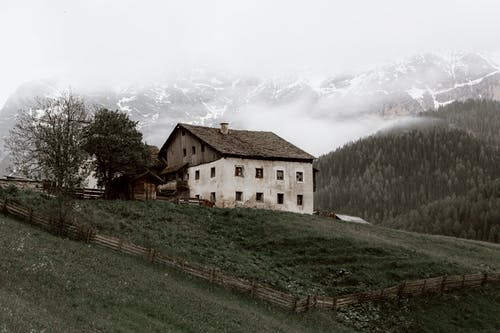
[{"x": 435, "y": 285}]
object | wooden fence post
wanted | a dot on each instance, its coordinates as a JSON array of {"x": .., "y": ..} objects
[
  {"x": 401, "y": 289},
  {"x": 334, "y": 304},
  {"x": 295, "y": 304},
  {"x": 308, "y": 302},
  {"x": 5, "y": 206},
  {"x": 90, "y": 235},
  {"x": 212, "y": 274},
  {"x": 423, "y": 286},
  {"x": 151, "y": 256},
  {"x": 485, "y": 278},
  {"x": 252, "y": 291},
  {"x": 463, "y": 281},
  {"x": 443, "y": 283}
]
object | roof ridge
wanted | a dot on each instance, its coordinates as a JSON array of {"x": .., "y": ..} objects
[{"x": 230, "y": 129}]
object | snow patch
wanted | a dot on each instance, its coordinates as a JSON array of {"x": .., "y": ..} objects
[{"x": 416, "y": 93}]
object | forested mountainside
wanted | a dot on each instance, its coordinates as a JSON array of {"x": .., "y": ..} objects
[
  {"x": 479, "y": 117},
  {"x": 475, "y": 215},
  {"x": 439, "y": 178},
  {"x": 382, "y": 176}
]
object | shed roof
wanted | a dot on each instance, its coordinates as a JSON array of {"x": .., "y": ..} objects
[
  {"x": 348, "y": 218},
  {"x": 243, "y": 143}
]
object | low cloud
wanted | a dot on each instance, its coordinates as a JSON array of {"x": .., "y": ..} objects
[{"x": 298, "y": 123}]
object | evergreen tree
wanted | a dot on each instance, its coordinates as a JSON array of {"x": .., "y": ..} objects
[{"x": 115, "y": 144}]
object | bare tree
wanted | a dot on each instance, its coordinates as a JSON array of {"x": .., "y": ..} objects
[{"x": 46, "y": 142}]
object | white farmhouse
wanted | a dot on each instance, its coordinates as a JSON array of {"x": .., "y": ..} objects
[{"x": 235, "y": 168}]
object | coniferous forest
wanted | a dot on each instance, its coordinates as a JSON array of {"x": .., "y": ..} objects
[{"x": 439, "y": 178}]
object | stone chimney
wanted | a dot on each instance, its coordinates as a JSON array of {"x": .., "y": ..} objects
[{"x": 224, "y": 128}]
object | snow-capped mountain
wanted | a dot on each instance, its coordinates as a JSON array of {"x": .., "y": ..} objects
[
  {"x": 420, "y": 83},
  {"x": 406, "y": 87}
]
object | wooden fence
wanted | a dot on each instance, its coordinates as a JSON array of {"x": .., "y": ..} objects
[
  {"x": 436, "y": 285},
  {"x": 87, "y": 193}
]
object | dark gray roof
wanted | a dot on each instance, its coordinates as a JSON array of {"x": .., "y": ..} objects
[{"x": 250, "y": 144}]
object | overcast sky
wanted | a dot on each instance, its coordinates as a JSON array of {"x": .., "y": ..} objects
[{"x": 96, "y": 42}]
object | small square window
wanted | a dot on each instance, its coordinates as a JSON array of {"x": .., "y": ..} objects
[
  {"x": 239, "y": 196},
  {"x": 184, "y": 152},
  {"x": 212, "y": 172},
  {"x": 197, "y": 174},
  {"x": 197, "y": 196},
  {"x": 259, "y": 173},
  {"x": 300, "y": 200},
  {"x": 299, "y": 176},
  {"x": 212, "y": 196},
  {"x": 259, "y": 197},
  {"x": 238, "y": 171},
  {"x": 193, "y": 149},
  {"x": 280, "y": 198},
  {"x": 280, "y": 175}
]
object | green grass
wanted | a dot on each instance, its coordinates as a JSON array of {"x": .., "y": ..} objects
[
  {"x": 61, "y": 285},
  {"x": 57, "y": 285},
  {"x": 298, "y": 253}
]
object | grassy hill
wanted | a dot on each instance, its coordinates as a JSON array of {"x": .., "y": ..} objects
[
  {"x": 56, "y": 285},
  {"x": 301, "y": 254}
]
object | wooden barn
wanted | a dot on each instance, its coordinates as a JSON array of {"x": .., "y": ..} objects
[{"x": 144, "y": 186}]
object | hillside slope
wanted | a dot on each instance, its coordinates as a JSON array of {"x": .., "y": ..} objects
[
  {"x": 296, "y": 253},
  {"x": 475, "y": 215},
  {"x": 385, "y": 175},
  {"x": 57, "y": 285},
  {"x": 480, "y": 118},
  {"x": 98, "y": 290}
]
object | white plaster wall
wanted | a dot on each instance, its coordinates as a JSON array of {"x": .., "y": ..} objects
[{"x": 225, "y": 184}]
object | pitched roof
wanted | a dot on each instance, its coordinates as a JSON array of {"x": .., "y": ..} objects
[
  {"x": 155, "y": 161},
  {"x": 250, "y": 144}
]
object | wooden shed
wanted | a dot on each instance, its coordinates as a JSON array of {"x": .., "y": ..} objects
[{"x": 144, "y": 185}]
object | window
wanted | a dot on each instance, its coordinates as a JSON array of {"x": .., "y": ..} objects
[
  {"x": 202, "y": 148},
  {"x": 280, "y": 198},
  {"x": 212, "y": 196},
  {"x": 280, "y": 174},
  {"x": 238, "y": 171},
  {"x": 197, "y": 174},
  {"x": 239, "y": 196},
  {"x": 259, "y": 197},
  {"x": 259, "y": 173},
  {"x": 299, "y": 176},
  {"x": 193, "y": 149},
  {"x": 184, "y": 152},
  {"x": 197, "y": 196},
  {"x": 212, "y": 172},
  {"x": 183, "y": 132},
  {"x": 300, "y": 200}
]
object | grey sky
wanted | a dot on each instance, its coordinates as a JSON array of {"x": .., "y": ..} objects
[{"x": 109, "y": 42}]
